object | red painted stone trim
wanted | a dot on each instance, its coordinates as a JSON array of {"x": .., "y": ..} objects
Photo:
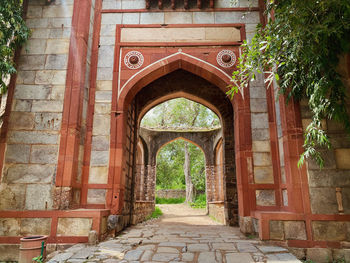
[
  {"x": 73, "y": 97},
  {"x": 235, "y": 9},
  {"x": 91, "y": 103}
]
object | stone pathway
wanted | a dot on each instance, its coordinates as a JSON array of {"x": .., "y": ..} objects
[{"x": 182, "y": 234}]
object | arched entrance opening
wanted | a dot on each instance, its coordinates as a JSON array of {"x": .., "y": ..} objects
[{"x": 200, "y": 82}]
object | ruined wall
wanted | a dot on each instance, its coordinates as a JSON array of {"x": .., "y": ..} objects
[
  {"x": 171, "y": 193},
  {"x": 35, "y": 120}
]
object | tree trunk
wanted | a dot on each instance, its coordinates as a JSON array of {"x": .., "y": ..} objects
[{"x": 188, "y": 179}]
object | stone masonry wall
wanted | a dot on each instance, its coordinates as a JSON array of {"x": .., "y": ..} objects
[
  {"x": 35, "y": 121},
  {"x": 171, "y": 193}
]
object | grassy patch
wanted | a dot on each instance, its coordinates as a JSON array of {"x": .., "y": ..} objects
[
  {"x": 160, "y": 200},
  {"x": 199, "y": 202},
  {"x": 155, "y": 214}
]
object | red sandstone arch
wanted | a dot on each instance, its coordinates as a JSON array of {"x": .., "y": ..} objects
[
  {"x": 242, "y": 125},
  {"x": 163, "y": 67}
]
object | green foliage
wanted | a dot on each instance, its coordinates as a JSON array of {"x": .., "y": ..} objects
[
  {"x": 38, "y": 259},
  {"x": 180, "y": 113},
  {"x": 170, "y": 161},
  {"x": 200, "y": 201},
  {"x": 300, "y": 50},
  {"x": 161, "y": 200},
  {"x": 155, "y": 214},
  {"x": 13, "y": 34}
]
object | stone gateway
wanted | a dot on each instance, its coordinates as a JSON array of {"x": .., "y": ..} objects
[{"x": 74, "y": 158}]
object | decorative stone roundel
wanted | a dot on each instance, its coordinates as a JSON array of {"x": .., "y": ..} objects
[
  {"x": 133, "y": 59},
  {"x": 226, "y": 58}
]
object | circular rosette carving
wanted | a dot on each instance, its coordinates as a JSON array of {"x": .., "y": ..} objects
[
  {"x": 226, "y": 58},
  {"x": 133, "y": 60}
]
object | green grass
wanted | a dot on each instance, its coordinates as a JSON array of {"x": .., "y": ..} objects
[
  {"x": 199, "y": 202},
  {"x": 160, "y": 200},
  {"x": 340, "y": 260},
  {"x": 155, "y": 214}
]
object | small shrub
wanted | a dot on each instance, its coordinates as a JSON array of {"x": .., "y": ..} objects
[
  {"x": 161, "y": 200},
  {"x": 199, "y": 202},
  {"x": 155, "y": 214}
]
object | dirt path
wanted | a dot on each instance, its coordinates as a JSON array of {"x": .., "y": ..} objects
[{"x": 184, "y": 214}]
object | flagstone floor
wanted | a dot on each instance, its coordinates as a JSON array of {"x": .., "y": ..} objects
[{"x": 182, "y": 234}]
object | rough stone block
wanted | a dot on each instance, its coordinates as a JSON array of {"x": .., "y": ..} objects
[
  {"x": 28, "y": 174},
  {"x": 37, "y": 22},
  {"x": 61, "y": 33},
  {"x": 261, "y": 146},
  {"x": 203, "y": 17},
  {"x": 111, "y": 19},
  {"x": 32, "y": 137},
  {"x": 131, "y": 18},
  {"x": 96, "y": 196},
  {"x": 260, "y": 121},
  {"x": 57, "y": 93},
  {"x": 276, "y": 230},
  {"x": 98, "y": 175},
  {"x": 57, "y": 46},
  {"x": 22, "y": 105},
  {"x": 58, "y": 11},
  {"x": 323, "y": 201},
  {"x": 263, "y": 175},
  {"x": 47, "y": 106},
  {"x": 103, "y": 96},
  {"x": 258, "y": 105},
  {"x": 111, "y": 4},
  {"x": 100, "y": 143},
  {"x": 38, "y": 197},
  {"x": 236, "y": 17},
  {"x": 11, "y": 197},
  {"x": 106, "y": 53},
  {"x": 319, "y": 255},
  {"x": 342, "y": 158},
  {"x": 341, "y": 254},
  {"x": 104, "y": 73},
  {"x": 329, "y": 230},
  {"x": 9, "y": 227},
  {"x": 17, "y": 153},
  {"x": 132, "y": 4},
  {"x": 25, "y": 77},
  {"x": 108, "y": 30},
  {"x": 295, "y": 230},
  {"x": 262, "y": 159},
  {"x": 44, "y": 154},
  {"x": 21, "y": 121},
  {"x": 34, "y": 47},
  {"x": 74, "y": 226},
  {"x": 99, "y": 158},
  {"x": 48, "y": 121},
  {"x": 56, "y": 62},
  {"x": 265, "y": 197},
  {"x": 41, "y": 33},
  {"x": 101, "y": 125},
  {"x": 9, "y": 253},
  {"x": 34, "y": 11},
  {"x": 178, "y": 18},
  {"x": 31, "y": 92},
  {"x": 238, "y": 257},
  {"x": 55, "y": 77},
  {"x": 152, "y": 18},
  {"x": 260, "y": 134},
  {"x": 60, "y": 22},
  {"x": 102, "y": 108},
  {"x": 35, "y": 226}
]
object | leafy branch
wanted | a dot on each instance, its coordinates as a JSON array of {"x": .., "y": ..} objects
[
  {"x": 299, "y": 50},
  {"x": 13, "y": 34}
]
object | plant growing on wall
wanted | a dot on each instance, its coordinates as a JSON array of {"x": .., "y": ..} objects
[
  {"x": 13, "y": 34},
  {"x": 300, "y": 49}
]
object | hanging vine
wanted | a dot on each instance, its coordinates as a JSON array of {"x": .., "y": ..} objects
[
  {"x": 300, "y": 50},
  {"x": 13, "y": 34}
]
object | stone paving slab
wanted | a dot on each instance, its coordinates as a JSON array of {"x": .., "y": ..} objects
[{"x": 161, "y": 241}]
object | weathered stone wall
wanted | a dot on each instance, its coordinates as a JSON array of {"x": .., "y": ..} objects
[
  {"x": 35, "y": 120},
  {"x": 142, "y": 209},
  {"x": 217, "y": 211},
  {"x": 171, "y": 193}
]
